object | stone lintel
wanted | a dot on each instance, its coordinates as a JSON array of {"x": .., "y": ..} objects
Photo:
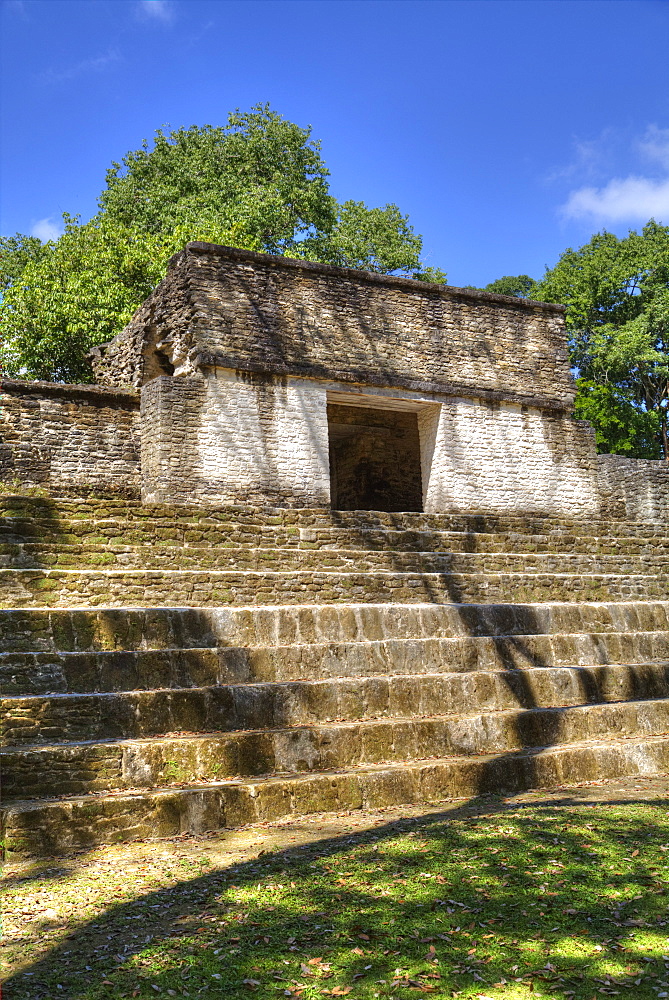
[{"x": 454, "y": 390}]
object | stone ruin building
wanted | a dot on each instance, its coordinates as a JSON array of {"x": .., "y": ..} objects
[{"x": 341, "y": 533}]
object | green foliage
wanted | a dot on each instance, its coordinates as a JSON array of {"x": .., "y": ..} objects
[
  {"x": 259, "y": 173},
  {"x": 432, "y": 274},
  {"x": 80, "y": 291},
  {"x": 617, "y": 297},
  {"x": 257, "y": 183},
  {"x": 621, "y": 427},
  {"x": 16, "y": 252},
  {"x": 519, "y": 285},
  {"x": 371, "y": 239}
]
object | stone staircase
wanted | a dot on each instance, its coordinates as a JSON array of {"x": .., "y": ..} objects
[{"x": 170, "y": 669}]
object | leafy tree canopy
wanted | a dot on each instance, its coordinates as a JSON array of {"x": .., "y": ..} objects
[
  {"x": 371, "y": 239},
  {"x": 82, "y": 291},
  {"x": 16, "y": 252},
  {"x": 617, "y": 297},
  {"x": 519, "y": 285},
  {"x": 259, "y": 171},
  {"x": 258, "y": 183}
]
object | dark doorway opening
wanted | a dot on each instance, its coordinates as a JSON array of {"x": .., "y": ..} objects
[{"x": 374, "y": 459}]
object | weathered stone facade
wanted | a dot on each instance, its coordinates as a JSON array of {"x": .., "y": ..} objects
[
  {"x": 233, "y": 309},
  {"x": 240, "y": 358},
  {"x": 634, "y": 488},
  {"x": 254, "y": 374},
  {"x": 73, "y": 438}
]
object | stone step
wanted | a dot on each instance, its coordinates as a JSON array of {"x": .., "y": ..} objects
[
  {"x": 127, "y": 629},
  {"x": 82, "y": 767},
  {"x": 59, "y": 510},
  {"x": 41, "y": 673},
  {"x": 45, "y": 828},
  {"x": 40, "y": 556},
  {"x": 230, "y": 707},
  {"x": 65, "y": 588},
  {"x": 47, "y": 537}
]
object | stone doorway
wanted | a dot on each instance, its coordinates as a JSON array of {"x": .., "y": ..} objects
[{"x": 374, "y": 459}]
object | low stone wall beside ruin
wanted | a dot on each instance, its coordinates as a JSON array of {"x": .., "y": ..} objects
[
  {"x": 69, "y": 438},
  {"x": 634, "y": 488}
]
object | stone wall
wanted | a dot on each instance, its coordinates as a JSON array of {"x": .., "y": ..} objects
[
  {"x": 233, "y": 309},
  {"x": 240, "y": 438},
  {"x": 634, "y": 488},
  {"x": 155, "y": 341},
  {"x": 503, "y": 457},
  {"x": 74, "y": 438},
  {"x": 235, "y": 438},
  {"x": 239, "y": 356}
]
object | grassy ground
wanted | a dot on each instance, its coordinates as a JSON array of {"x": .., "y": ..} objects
[{"x": 555, "y": 895}]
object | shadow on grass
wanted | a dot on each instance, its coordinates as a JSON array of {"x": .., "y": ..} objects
[{"x": 567, "y": 899}]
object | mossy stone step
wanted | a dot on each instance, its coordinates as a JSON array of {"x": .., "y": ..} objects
[
  {"x": 42, "y": 556},
  {"x": 230, "y": 707},
  {"x": 51, "y": 509},
  {"x": 37, "y": 673},
  {"x": 125, "y": 535},
  {"x": 77, "y": 768},
  {"x": 63, "y": 588},
  {"x": 127, "y": 629},
  {"x": 48, "y": 827}
]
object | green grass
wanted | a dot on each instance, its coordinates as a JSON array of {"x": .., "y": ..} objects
[{"x": 547, "y": 900}]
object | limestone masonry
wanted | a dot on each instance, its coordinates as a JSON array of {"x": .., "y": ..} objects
[
  {"x": 256, "y": 379},
  {"x": 318, "y": 540}
]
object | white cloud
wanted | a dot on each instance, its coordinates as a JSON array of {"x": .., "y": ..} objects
[
  {"x": 157, "y": 10},
  {"x": 655, "y": 145},
  {"x": 45, "y": 229},
  {"x": 639, "y": 193},
  {"x": 93, "y": 65},
  {"x": 622, "y": 199}
]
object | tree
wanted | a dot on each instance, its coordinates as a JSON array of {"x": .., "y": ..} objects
[
  {"x": 520, "y": 285},
  {"x": 80, "y": 291},
  {"x": 16, "y": 252},
  {"x": 372, "y": 239},
  {"x": 617, "y": 297},
  {"x": 259, "y": 173},
  {"x": 257, "y": 183}
]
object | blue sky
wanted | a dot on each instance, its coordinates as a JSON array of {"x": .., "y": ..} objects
[{"x": 506, "y": 130}]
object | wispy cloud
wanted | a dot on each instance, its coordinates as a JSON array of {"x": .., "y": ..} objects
[
  {"x": 46, "y": 229},
  {"x": 588, "y": 158},
  {"x": 92, "y": 65},
  {"x": 163, "y": 11},
  {"x": 16, "y": 7},
  {"x": 637, "y": 196},
  {"x": 655, "y": 145},
  {"x": 622, "y": 199}
]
